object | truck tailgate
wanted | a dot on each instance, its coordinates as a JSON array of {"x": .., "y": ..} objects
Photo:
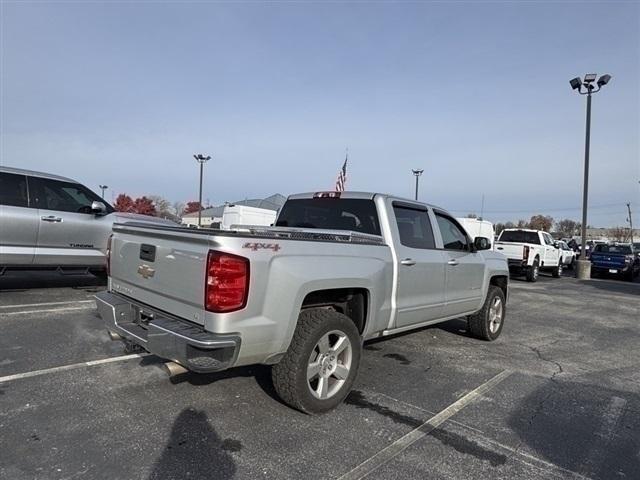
[
  {"x": 512, "y": 250},
  {"x": 165, "y": 269},
  {"x": 608, "y": 260}
]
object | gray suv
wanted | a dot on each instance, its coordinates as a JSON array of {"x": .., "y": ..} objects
[{"x": 52, "y": 222}]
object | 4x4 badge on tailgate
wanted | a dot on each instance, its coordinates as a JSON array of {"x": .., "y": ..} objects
[
  {"x": 146, "y": 271},
  {"x": 255, "y": 246}
]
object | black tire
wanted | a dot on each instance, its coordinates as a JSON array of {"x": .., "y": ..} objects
[
  {"x": 629, "y": 276},
  {"x": 557, "y": 271},
  {"x": 481, "y": 324},
  {"x": 572, "y": 265},
  {"x": 290, "y": 375},
  {"x": 533, "y": 271}
]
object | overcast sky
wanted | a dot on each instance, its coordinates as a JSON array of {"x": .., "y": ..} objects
[{"x": 476, "y": 94}]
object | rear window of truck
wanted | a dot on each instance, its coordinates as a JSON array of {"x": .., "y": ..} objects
[
  {"x": 355, "y": 214},
  {"x": 624, "y": 249},
  {"x": 519, "y": 236}
]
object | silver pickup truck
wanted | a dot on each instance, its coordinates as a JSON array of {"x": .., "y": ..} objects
[{"x": 337, "y": 269}]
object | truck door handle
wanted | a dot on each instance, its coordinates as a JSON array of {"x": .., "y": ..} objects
[
  {"x": 453, "y": 262},
  {"x": 408, "y": 261},
  {"x": 51, "y": 218}
]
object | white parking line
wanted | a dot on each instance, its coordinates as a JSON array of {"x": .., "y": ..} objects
[
  {"x": 46, "y": 304},
  {"x": 47, "y": 310},
  {"x": 386, "y": 454},
  {"x": 481, "y": 438},
  {"x": 73, "y": 366}
]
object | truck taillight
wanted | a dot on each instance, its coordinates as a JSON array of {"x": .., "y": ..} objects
[
  {"x": 525, "y": 253},
  {"x": 109, "y": 240},
  {"x": 226, "y": 282}
]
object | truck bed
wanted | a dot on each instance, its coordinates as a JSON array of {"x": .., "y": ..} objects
[{"x": 163, "y": 271}]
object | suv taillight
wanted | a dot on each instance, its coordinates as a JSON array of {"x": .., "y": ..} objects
[
  {"x": 226, "y": 282},
  {"x": 525, "y": 253},
  {"x": 109, "y": 240}
]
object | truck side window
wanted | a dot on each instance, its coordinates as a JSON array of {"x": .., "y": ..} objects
[
  {"x": 62, "y": 196},
  {"x": 13, "y": 190},
  {"x": 453, "y": 237},
  {"x": 547, "y": 238},
  {"x": 414, "y": 227}
]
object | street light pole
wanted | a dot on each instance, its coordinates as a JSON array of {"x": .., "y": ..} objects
[
  {"x": 417, "y": 174},
  {"x": 201, "y": 159},
  {"x": 584, "y": 265},
  {"x": 585, "y": 188},
  {"x": 103, "y": 188}
]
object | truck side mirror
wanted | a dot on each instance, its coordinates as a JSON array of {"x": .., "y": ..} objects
[
  {"x": 98, "y": 208},
  {"x": 482, "y": 243}
]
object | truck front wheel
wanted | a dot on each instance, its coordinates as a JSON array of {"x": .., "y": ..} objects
[
  {"x": 318, "y": 370},
  {"x": 487, "y": 323},
  {"x": 557, "y": 272}
]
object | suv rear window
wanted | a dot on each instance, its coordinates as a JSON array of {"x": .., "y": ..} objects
[
  {"x": 519, "y": 236},
  {"x": 355, "y": 214}
]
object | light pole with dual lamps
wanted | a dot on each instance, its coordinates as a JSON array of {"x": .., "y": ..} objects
[{"x": 587, "y": 87}]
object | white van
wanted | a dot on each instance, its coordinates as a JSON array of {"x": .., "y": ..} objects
[
  {"x": 244, "y": 215},
  {"x": 478, "y": 228}
]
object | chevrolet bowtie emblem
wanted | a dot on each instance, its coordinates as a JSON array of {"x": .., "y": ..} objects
[{"x": 146, "y": 271}]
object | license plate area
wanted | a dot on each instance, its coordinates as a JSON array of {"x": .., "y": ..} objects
[{"x": 613, "y": 270}]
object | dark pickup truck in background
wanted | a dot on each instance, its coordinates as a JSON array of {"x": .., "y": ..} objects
[{"x": 615, "y": 259}]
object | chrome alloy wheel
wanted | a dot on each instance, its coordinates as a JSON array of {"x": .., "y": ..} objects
[
  {"x": 495, "y": 314},
  {"x": 329, "y": 364}
]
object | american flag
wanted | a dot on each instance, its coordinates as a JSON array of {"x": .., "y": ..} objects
[{"x": 341, "y": 181}]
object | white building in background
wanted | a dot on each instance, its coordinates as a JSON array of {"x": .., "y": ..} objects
[{"x": 213, "y": 217}]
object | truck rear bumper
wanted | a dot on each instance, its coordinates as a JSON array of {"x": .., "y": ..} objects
[
  {"x": 168, "y": 337},
  {"x": 517, "y": 265}
]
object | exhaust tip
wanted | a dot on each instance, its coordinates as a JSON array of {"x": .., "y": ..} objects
[
  {"x": 114, "y": 336},
  {"x": 174, "y": 369}
]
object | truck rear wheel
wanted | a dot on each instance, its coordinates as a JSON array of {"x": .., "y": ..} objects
[
  {"x": 317, "y": 371},
  {"x": 487, "y": 323},
  {"x": 532, "y": 272}
]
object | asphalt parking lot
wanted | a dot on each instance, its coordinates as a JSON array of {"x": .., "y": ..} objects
[{"x": 557, "y": 396}]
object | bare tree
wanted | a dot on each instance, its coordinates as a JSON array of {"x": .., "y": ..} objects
[
  {"x": 178, "y": 208},
  {"x": 567, "y": 227},
  {"x": 618, "y": 234},
  {"x": 541, "y": 222},
  {"x": 472, "y": 215}
]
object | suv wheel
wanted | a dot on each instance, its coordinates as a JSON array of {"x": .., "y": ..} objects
[
  {"x": 487, "y": 323},
  {"x": 532, "y": 271},
  {"x": 318, "y": 370}
]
